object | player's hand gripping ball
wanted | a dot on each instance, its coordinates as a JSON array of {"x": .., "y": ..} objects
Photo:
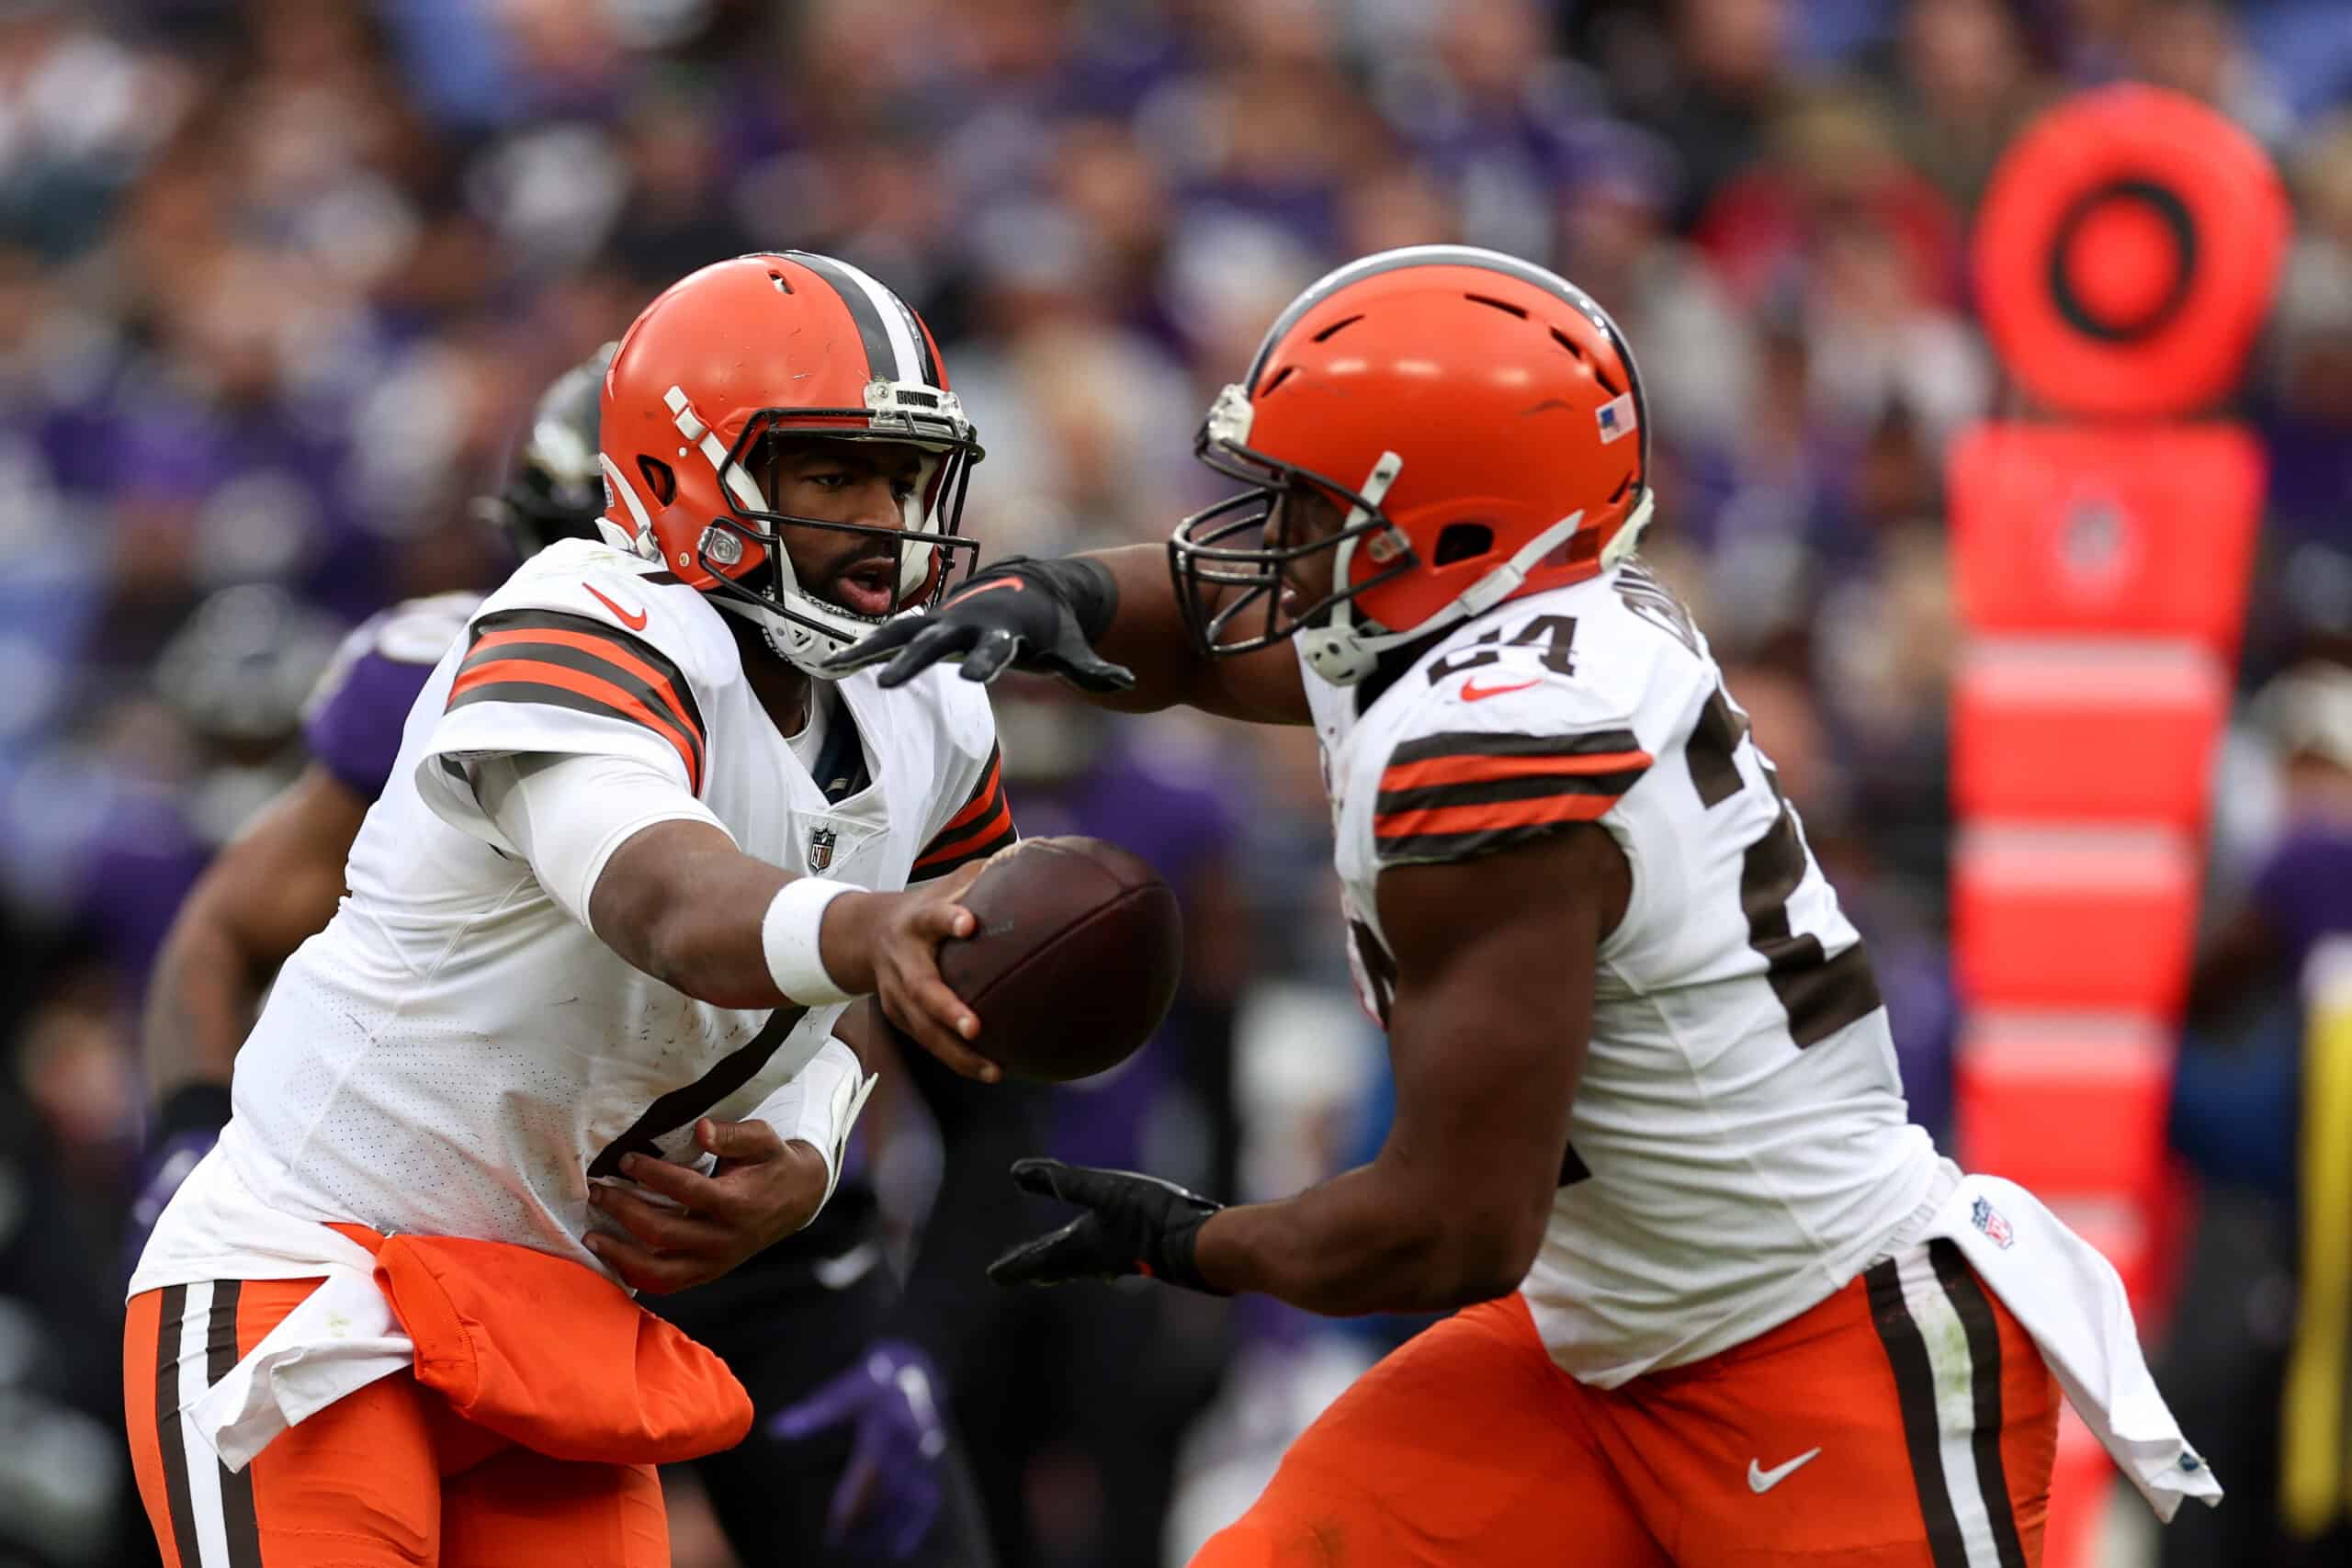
[{"x": 1075, "y": 961}]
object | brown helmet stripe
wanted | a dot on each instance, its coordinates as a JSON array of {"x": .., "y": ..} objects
[
  {"x": 905, "y": 358},
  {"x": 871, "y": 334}
]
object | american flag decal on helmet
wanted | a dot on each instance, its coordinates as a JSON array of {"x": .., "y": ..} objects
[{"x": 1616, "y": 418}]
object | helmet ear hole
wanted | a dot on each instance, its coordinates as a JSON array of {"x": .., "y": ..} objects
[
  {"x": 659, "y": 478},
  {"x": 1463, "y": 541}
]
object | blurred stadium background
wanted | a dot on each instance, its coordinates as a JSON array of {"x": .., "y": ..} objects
[{"x": 278, "y": 278}]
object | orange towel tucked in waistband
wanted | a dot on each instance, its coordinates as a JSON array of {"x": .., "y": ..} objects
[{"x": 552, "y": 1355}]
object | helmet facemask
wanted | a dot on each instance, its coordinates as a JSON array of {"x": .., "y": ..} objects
[
  {"x": 1229, "y": 570},
  {"x": 745, "y": 551},
  {"x": 1341, "y": 643}
]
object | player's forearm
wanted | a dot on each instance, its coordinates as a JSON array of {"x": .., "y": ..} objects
[
  {"x": 678, "y": 900},
  {"x": 1369, "y": 1240},
  {"x": 626, "y": 848},
  {"x": 1146, "y": 632},
  {"x": 695, "y": 921}
]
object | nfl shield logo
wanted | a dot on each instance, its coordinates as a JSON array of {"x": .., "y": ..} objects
[
  {"x": 1988, "y": 1219},
  {"x": 820, "y": 848}
]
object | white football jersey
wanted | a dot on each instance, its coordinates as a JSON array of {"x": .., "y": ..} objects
[
  {"x": 1738, "y": 1148},
  {"x": 455, "y": 1054}
]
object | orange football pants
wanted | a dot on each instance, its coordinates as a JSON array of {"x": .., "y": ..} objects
[
  {"x": 387, "y": 1476},
  {"x": 1906, "y": 1422}
]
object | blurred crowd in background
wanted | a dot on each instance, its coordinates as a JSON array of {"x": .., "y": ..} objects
[{"x": 279, "y": 277}]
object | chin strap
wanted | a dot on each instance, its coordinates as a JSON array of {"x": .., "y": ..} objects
[
  {"x": 1339, "y": 652},
  {"x": 1353, "y": 653},
  {"x": 1628, "y": 538},
  {"x": 803, "y": 646}
]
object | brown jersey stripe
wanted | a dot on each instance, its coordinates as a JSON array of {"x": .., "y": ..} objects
[
  {"x": 1488, "y": 744},
  {"x": 683, "y": 1105},
  {"x": 1439, "y": 820},
  {"x": 532, "y": 680},
  {"x": 1426, "y": 847},
  {"x": 1476, "y": 768},
  {"x": 1526, "y": 787},
  {"x": 595, "y": 667},
  {"x": 971, "y": 850},
  {"x": 661, "y": 682},
  {"x": 950, "y": 846},
  {"x": 658, "y": 665},
  {"x": 983, "y": 798}
]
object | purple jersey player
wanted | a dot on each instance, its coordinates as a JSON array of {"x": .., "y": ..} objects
[{"x": 353, "y": 721}]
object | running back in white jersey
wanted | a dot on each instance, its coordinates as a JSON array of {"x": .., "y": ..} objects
[
  {"x": 456, "y": 1053},
  {"x": 1738, "y": 1148}
]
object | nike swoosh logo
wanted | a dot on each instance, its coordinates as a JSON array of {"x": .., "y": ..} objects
[
  {"x": 1012, "y": 582},
  {"x": 1472, "y": 692},
  {"x": 841, "y": 1272},
  {"x": 1761, "y": 1481},
  {"x": 634, "y": 622}
]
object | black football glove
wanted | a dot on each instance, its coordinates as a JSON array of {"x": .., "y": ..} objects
[
  {"x": 1039, "y": 616},
  {"x": 1133, "y": 1225}
]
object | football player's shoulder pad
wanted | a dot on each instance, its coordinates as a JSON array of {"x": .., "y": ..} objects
[{"x": 617, "y": 591}]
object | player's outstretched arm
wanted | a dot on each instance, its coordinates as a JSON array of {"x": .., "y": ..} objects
[
  {"x": 1488, "y": 1031},
  {"x": 1107, "y": 622}
]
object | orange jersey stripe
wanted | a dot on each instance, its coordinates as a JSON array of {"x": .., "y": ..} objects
[
  {"x": 605, "y": 649},
  {"x": 1500, "y": 815},
  {"x": 980, "y": 835},
  {"x": 984, "y": 799},
  {"x": 1473, "y": 768},
  {"x": 624, "y": 706}
]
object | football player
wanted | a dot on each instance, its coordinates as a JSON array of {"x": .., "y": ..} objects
[
  {"x": 1719, "y": 1300},
  {"x": 815, "y": 1496},
  {"x": 587, "y": 999}
]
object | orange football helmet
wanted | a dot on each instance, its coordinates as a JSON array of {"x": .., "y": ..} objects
[
  {"x": 762, "y": 347},
  {"x": 1478, "y": 419}
]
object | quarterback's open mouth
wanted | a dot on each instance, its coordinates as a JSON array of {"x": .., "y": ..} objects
[{"x": 869, "y": 588}]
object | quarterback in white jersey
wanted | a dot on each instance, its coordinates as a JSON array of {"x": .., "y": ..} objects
[
  {"x": 582, "y": 1016},
  {"x": 1649, "y": 1134},
  {"x": 459, "y": 1053}
]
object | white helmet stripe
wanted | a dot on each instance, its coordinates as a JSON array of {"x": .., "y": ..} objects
[{"x": 898, "y": 322}]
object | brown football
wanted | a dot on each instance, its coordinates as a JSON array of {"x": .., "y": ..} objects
[{"x": 1076, "y": 960}]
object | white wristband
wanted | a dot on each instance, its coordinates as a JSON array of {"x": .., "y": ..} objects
[
  {"x": 789, "y": 941},
  {"x": 820, "y": 1106}
]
